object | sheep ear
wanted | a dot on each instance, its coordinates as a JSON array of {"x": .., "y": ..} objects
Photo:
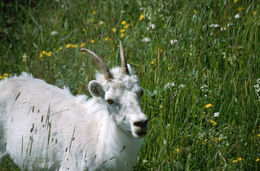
[
  {"x": 96, "y": 89},
  {"x": 131, "y": 71}
]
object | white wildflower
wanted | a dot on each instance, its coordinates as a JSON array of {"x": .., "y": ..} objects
[
  {"x": 224, "y": 55},
  {"x": 53, "y": 33},
  {"x": 146, "y": 39},
  {"x": 169, "y": 85},
  {"x": 258, "y": 81},
  {"x": 151, "y": 26},
  {"x": 237, "y": 16},
  {"x": 101, "y": 22},
  {"x": 257, "y": 88},
  {"x": 173, "y": 41},
  {"x": 145, "y": 161},
  {"x": 204, "y": 88},
  {"x": 164, "y": 141},
  {"x": 213, "y": 25},
  {"x": 230, "y": 24},
  {"x": 24, "y": 57},
  {"x": 181, "y": 86},
  {"x": 222, "y": 28},
  {"x": 216, "y": 114}
]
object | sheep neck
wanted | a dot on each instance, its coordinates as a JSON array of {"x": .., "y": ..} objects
[{"x": 115, "y": 146}]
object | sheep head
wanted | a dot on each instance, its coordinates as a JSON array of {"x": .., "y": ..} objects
[{"x": 120, "y": 92}]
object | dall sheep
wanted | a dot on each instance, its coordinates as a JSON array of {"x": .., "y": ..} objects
[{"x": 45, "y": 127}]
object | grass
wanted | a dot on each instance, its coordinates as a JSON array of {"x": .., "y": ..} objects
[{"x": 187, "y": 54}]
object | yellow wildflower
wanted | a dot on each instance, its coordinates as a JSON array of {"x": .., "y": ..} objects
[
  {"x": 92, "y": 41},
  {"x": 218, "y": 139},
  {"x": 114, "y": 30},
  {"x": 254, "y": 13},
  {"x": 1, "y": 77},
  {"x": 213, "y": 122},
  {"x": 177, "y": 149},
  {"x": 48, "y": 54},
  {"x": 126, "y": 26},
  {"x": 235, "y": 1},
  {"x": 257, "y": 160},
  {"x": 6, "y": 75},
  {"x": 60, "y": 48},
  {"x": 74, "y": 46},
  {"x": 84, "y": 30},
  {"x": 239, "y": 158},
  {"x": 94, "y": 12},
  {"x": 106, "y": 38},
  {"x": 240, "y": 8},
  {"x": 204, "y": 142},
  {"x": 82, "y": 44},
  {"x": 234, "y": 161},
  {"x": 45, "y": 53},
  {"x": 68, "y": 46},
  {"x": 141, "y": 17},
  {"x": 123, "y": 22},
  {"x": 161, "y": 106},
  {"x": 194, "y": 11},
  {"x": 101, "y": 22},
  {"x": 152, "y": 62},
  {"x": 208, "y": 105},
  {"x": 122, "y": 35},
  {"x": 122, "y": 30},
  {"x": 258, "y": 135}
]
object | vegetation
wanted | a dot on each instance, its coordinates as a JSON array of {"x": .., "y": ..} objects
[{"x": 198, "y": 62}]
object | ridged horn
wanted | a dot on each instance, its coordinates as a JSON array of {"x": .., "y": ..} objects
[
  {"x": 101, "y": 64},
  {"x": 123, "y": 61}
]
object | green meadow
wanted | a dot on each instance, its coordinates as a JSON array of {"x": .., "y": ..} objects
[{"x": 198, "y": 62}]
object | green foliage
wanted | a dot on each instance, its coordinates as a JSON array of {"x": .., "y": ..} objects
[{"x": 186, "y": 53}]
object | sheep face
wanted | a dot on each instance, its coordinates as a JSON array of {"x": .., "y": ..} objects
[{"x": 121, "y": 98}]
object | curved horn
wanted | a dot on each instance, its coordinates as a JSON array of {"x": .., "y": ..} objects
[
  {"x": 123, "y": 61},
  {"x": 100, "y": 63}
]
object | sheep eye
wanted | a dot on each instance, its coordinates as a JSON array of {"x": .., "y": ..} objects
[{"x": 110, "y": 101}]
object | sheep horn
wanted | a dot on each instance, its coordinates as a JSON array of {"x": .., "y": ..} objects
[
  {"x": 101, "y": 64},
  {"x": 123, "y": 61}
]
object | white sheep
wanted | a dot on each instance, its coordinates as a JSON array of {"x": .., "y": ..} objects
[{"x": 43, "y": 126}]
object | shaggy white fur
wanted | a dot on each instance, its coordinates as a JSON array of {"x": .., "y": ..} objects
[{"x": 43, "y": 126}]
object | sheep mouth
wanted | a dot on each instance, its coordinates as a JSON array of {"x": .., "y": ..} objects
[{"x": 141, "y": 133}]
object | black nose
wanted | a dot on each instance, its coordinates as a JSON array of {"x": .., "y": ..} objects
[{"x": 142, "y": 124}]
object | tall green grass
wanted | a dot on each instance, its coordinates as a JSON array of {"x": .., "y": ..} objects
[{"x": 200, "y": 52}]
